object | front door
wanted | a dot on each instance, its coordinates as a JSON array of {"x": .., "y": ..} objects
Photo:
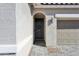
[{"x": 39, "y": 31}]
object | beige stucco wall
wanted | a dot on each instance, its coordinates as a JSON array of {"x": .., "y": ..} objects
[
  {"x": 67, "y": 36},
  {"x": 50, "y": 32}
]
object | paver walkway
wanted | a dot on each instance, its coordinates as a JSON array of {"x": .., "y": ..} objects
[
  {"x": 39, "y": 51},
  {"x": 66, "y": 50}
]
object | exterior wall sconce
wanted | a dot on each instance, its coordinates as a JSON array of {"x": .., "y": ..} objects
[{"x": 50, "y": 21}]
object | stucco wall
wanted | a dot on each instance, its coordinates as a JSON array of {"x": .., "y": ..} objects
[
  {"x": 67, "y": 36},
  {"x": 24, "y": 29},
  {"x": 50, "y": 32}
]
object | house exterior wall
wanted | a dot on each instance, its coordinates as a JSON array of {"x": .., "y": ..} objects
[
  {"x": 51, "y": 39},
  {"x": 24, "y": 29}
]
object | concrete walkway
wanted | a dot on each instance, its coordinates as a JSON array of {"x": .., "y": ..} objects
[{"x": 66, "y": 50}]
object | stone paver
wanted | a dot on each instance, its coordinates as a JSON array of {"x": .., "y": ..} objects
[
  {"x": 66, "y": 50},
  {"x": 39, "y": 51}
]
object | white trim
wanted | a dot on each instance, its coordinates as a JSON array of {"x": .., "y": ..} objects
[
  {"x": 67, "y": 15},
  {"x": 7, "y": 48}
]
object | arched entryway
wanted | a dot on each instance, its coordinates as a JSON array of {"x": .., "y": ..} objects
[{"x": 39, "y": 29}]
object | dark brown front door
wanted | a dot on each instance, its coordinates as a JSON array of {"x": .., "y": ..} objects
[{"x": 39, "y": 31}]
